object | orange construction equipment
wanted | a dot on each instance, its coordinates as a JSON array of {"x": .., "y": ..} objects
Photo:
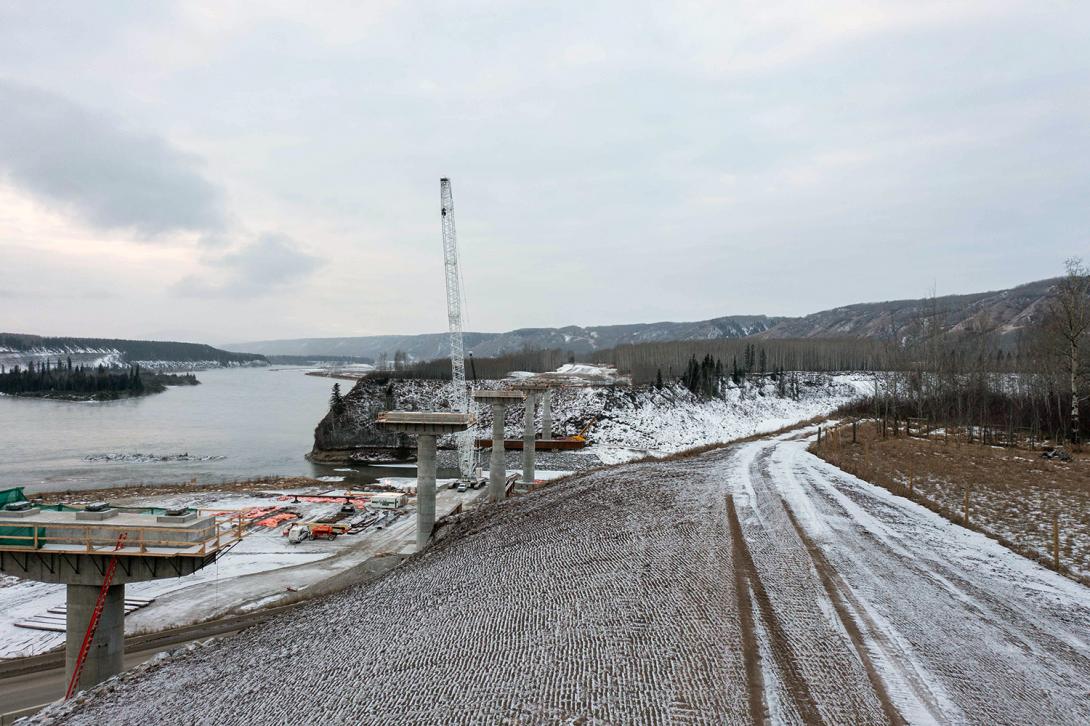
[
  {"x": 322, "y": 531},
  {"x": 582, "y": 435}
]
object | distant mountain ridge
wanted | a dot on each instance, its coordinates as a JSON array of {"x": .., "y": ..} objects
[
  {"x": 20, "y": 348},
  {"x": 1006, "y": 311},
  {"x": 572, "y": 338}
]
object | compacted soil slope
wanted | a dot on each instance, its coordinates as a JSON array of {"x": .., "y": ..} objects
[{"x": 751, "y": 583}]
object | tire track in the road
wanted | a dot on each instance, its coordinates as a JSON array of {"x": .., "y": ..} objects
[
  {"x": 955, "y": 623},
  {"x": 829, "y": 577},
  {"x": 820, "y": 639},
  {"x": 982, "y": 602},
  {"x": 797, "y": 687},
  {"x": 751, "y": 656}
]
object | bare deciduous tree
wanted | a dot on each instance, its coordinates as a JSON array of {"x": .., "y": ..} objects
[{"x": 1068, "y": 321}]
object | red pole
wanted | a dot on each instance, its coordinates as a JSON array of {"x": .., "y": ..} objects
[{"x": 85, "y": 648}]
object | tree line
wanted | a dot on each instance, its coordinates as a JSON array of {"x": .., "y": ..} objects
[
  {"x": 131, "y": 350},
  {"x": 647, "y": 362},
  {"x": 983, "y": 375},
  {"x": 977, "y": 373},
  {"x": 62, "y": 379},
  {"x": 707, "y": 377}
]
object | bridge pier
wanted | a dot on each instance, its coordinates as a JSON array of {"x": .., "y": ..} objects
[
  {"x": 106, "y": 656},
  {"x": 529, "y": 433},
  {"x": 425, "y": 488},
  {"x": 547, "y": 414},
  {"x": 79, "y": 549},
  {"x": 497, "y": 467},
  {"x": 529, "y": 436},
  {"x": 427, "y": 425}
]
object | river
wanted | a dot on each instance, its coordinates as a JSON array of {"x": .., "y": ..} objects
[{"x": 245, "y": 423}]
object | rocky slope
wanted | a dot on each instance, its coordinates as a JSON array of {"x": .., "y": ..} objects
[{"x": 628, "y": 421}]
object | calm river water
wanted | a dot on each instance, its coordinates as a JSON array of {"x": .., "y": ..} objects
[{"x": 255, "y": 421}]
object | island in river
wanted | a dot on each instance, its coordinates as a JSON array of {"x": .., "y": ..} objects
[{"x": 62, "y": 380}]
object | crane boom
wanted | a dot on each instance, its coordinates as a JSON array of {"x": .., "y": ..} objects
[{"x": 459, "y": 397}]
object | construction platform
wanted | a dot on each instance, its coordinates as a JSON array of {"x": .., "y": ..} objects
[
  {"x": 95, "y": 553},
  {"x": 97, "y": 533}
]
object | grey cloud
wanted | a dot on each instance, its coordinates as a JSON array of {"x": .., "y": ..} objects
[
  {"x": 270, "y": 263},
  {"x": 89, "y": 164}
]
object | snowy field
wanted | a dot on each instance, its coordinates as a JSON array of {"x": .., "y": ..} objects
[
  {"x": 751, "y": 583},
  {"x": 672, "y": 419}
]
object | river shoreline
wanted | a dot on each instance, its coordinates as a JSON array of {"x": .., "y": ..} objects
[{"x": 238, "y": 424}]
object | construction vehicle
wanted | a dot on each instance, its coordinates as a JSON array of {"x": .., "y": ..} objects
[
  {"x": 581, "y": 437},
  {"x": 296, "y": 533}
]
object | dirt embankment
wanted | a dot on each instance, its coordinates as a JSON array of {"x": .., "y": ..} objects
[{"x": 142, "y": 491}]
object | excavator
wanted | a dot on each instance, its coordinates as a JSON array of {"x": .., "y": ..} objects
[{"x": 581, "y": 437}]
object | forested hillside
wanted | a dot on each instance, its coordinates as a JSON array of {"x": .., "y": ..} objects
[
  {"x": 1006, "y": 312},
  {"x": 18, "y": 349},
  {"x": 63, "y": 380},
  {"x": 572, "y": 338}
]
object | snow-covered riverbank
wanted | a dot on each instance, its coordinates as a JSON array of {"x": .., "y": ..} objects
[{"x": 627, "y": 421}]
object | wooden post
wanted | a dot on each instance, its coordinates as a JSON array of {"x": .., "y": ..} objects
[
  {"x": 819, "y": 437},
  {"x": 965, "y": 517},
  {"x": 1056, "y": 541},
  {"x": 853, "y": 431}
]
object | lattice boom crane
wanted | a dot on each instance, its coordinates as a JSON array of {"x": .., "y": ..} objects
[{"x": 459, "y": 396}]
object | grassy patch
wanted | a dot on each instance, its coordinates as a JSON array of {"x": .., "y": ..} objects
[{"x": 1013, "y": 493}]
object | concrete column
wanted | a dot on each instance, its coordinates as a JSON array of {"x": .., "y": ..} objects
[
  {"x": 528, "y": 435},
  {"x": 497, "y": 467},
  {"x": 107, "y": 653},
  {"x": 547, "y": 414},
  {"x": 425, "y": 488}
]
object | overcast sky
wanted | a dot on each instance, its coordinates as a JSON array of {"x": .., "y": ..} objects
[{"x": 237, "y": 171}]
